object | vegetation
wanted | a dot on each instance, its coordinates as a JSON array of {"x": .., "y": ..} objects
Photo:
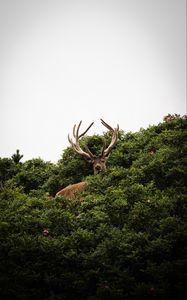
[{"x": 126, "y": 237}]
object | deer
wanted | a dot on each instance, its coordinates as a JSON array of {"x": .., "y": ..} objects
[{"x": 98, "y": 161}]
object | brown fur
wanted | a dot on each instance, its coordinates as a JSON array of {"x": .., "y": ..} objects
[{"x": 71, "y": 190}]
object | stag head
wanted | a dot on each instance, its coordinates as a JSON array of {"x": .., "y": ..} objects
[{"x": 98, "y": 161}]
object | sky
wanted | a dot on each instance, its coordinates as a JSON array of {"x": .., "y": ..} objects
[{"x": 62, "y": 61}]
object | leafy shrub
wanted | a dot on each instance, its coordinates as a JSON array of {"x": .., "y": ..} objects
[{"x": 125, "y": 240}]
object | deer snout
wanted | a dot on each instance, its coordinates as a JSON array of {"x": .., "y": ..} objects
[{"x": 98, "y": 168}]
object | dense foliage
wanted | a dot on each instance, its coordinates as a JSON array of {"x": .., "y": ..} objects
[{"x": 125, "y": 238}]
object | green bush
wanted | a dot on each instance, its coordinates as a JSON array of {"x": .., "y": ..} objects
[{"x": 125, "y": 240}]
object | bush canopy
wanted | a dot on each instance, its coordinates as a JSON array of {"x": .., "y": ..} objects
[{"x": 124, "y": 237}]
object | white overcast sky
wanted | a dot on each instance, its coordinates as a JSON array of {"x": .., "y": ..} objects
[{"x": 62, "y": 61}]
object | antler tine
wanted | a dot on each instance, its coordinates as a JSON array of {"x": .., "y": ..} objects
[
  {"x": 70, "y": 140},
  {"x": 76, "y": 145},
  {"x": 112, "y": 144},
  {"x": 86, "y": 129},
  {"x": 108, "y": 126},
  {"x": 114, "y": 131},
  {"x": 76, "y": 132},
  {"x": 103, "y": 147},
  {"x": 88, "y": 150}
]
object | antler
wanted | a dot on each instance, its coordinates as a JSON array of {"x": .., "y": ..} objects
[
  {"x": 114, "y": 131},
  {"x": 76, "y": 145}
]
